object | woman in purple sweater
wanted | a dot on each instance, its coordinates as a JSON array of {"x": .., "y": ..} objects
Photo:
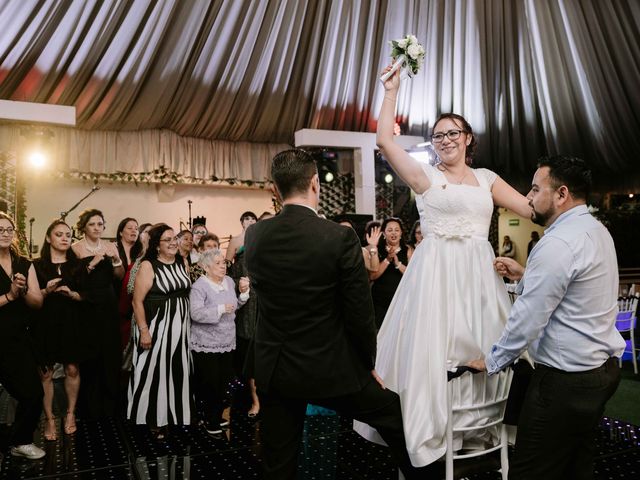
[{"x": 213, "y": 303}]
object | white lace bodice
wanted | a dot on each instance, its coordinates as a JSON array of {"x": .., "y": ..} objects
[{"x": 456, "y": 211}]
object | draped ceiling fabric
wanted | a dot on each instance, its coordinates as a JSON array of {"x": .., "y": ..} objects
[{"x": 202, "y": 86}]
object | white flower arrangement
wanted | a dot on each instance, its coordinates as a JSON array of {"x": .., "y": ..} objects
[{"x": 408, "y": 53}]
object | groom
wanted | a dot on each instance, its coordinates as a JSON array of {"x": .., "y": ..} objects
[{"x": 315, "y": 340}]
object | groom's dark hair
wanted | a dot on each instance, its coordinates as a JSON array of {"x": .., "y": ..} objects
[
  {"x": 572, "y": 172},
  {"x": 292, "y": 171}
]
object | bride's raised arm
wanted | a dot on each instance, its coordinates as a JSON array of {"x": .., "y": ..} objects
[
  {"x": 504, "y": 195},
  {"x": 407, "y": 167}
]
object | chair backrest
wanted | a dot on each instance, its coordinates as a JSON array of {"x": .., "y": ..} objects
[
  {"x": 628, "y": 304},
  {"x": 626, "y": 317},
  {"x": 488, "y": 393}
]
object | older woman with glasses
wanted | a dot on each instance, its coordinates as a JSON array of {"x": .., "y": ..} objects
[
  {"x": 19, "y": 292},
  {"x": 213, "y": 335},
  {"x": 159, "y": 393}
]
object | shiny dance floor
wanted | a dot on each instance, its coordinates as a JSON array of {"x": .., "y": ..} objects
[{"x": 114, "y": 449}]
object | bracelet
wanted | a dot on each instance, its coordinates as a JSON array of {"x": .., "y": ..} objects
[
  {"x": 398, "y": 265},
  {"x": 6, "y": 295},
  {"x": 116, "y": 265},
  {"x": 373, "y": 250},
  {"x": 90, "y": 268},
  {"x": 143, "y": 328}
]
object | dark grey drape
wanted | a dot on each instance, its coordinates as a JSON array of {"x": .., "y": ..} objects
[{"x": 531, "y": 76}]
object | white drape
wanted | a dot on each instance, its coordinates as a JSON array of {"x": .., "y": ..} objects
[{"x": 147, "y": 150}]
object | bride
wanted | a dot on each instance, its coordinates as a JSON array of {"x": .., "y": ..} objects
[{"x": 450, "y": 305}]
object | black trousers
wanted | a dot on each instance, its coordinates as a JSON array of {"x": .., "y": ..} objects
[
  {"x": 19, "y": 376},
  {"x": 211, "y": 374},
  {"x": 557, "y": 426},
  {"x": 283, "y": 421}
]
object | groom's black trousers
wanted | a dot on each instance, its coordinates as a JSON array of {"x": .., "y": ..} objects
[
  {"x": 557, "y": 426},
  {"x": 283, "y": 421}
]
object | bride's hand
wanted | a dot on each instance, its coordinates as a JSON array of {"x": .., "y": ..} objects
[{"x": 393, "y": 82}]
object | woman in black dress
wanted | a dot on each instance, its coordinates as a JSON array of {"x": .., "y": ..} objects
[
  {"x": 19, "y": 293},
  {"x": 394, "y": 254},
  {"x": 99, "y": 396},
  {"x": 60, "y": 330}
]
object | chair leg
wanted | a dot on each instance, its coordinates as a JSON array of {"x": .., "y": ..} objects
[
  {"x": 504, "y": 452},
  {"x": 633, "y": 353},
  {"x": 449, "y": 452}
]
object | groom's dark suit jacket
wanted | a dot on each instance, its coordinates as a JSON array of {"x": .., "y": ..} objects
[{"x": 315, "y": 336}]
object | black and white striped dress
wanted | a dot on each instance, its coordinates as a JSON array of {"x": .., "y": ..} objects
[{"x": 159, "y": 392}]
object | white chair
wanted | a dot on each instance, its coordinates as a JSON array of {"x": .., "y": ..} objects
[
  {"x": 490, "y": 397},
  {"x": 626, "y": 323}
]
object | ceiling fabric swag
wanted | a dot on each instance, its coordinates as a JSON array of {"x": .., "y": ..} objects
[
  {"x": 148, "y": 150},
  {"x": 532, "y": 77}
]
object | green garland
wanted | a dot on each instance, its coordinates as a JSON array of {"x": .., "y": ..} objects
[{"x": 159, "y": 175}]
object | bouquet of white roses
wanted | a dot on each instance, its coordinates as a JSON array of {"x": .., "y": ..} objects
[{"x": 408, "y": 53}]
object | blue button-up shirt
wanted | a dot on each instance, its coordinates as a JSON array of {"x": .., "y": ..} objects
[{"x": 567, "y": 307}]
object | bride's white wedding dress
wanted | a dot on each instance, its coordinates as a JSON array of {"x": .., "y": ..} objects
[{"x": 449, "y": 308}]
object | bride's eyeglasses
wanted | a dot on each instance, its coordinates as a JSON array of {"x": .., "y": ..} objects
[{"x": 451, "y": 135}]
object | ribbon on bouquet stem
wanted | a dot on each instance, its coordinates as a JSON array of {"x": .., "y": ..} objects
[{"x": 396, "y": 65}]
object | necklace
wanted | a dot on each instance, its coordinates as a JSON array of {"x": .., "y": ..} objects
[
  {"x": 444, "y": 169},
  {"x": 93, "y": 250}
]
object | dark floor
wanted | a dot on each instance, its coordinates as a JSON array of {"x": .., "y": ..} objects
[{"x": 331, "y": 450}]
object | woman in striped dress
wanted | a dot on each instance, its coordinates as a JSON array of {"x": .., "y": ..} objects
[{"x": 159, "y": 393}]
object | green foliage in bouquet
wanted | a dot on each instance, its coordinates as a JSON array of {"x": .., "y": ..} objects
[{"x": 413, "y": 53}]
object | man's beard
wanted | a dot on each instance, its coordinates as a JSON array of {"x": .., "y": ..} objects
[{"x": 541, "y": 218}]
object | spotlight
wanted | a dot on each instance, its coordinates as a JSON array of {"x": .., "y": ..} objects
[
  {"x": 328, "y": 177},
  {"x": 37, "y": 159},
  {"x": 631, "y": 195},
  {"x": 388, "y": 178}
]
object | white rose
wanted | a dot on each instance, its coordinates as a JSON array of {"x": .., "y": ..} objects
[
  {"x": 413, "y": 51},
  {"x": 402, "y": 43},
  {"x": 412, "y": 39}
]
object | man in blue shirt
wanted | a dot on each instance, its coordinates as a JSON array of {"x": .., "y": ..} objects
[{"x": 565, "y": 316}]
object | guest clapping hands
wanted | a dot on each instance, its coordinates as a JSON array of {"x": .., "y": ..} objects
[
  {"x": 213, "y": 336},
  {"x": 99, "y": 391},
  {"x": 59, "y": 329},
  {"x": 19, "y": 293}
]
